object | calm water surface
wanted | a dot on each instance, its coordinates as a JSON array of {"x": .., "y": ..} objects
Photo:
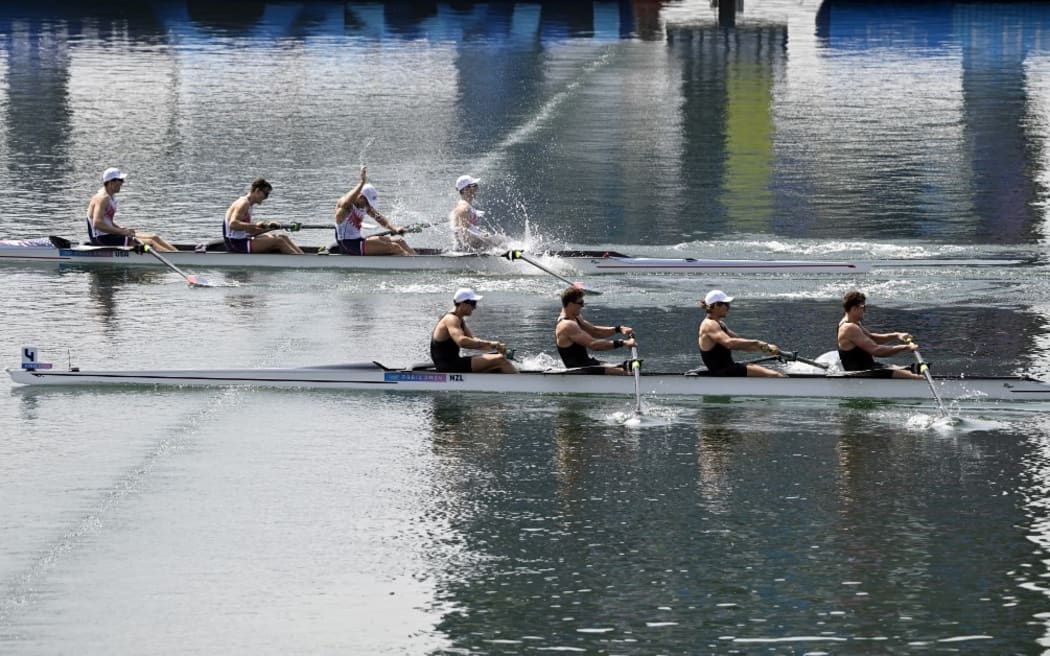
[{"x": 259, "y": 521}]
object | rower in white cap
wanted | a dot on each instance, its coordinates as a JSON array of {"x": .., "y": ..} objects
[
  {"x": 717, "y": 341},
  {"x": 103, "y": 230},
  {"x": 452, "y": 333},
  {"x": 465, "y": 220}
]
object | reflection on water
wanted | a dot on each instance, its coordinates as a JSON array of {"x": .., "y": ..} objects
[
  {"x": 106, "y": 284},
  {"x": 993, "y": 178},
  {"x": 716, "y": 444},
  {"x": 1036, "y": 501}
]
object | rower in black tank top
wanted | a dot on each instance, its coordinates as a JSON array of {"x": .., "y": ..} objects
[
  {"x": 719, "y": 360},
  {"x": 575, "y": 355},
  {"x": 445, "y": 354},
  {"x": 857, "y": 359}
]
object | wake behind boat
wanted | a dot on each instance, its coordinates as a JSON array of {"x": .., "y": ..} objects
[
  {"x": 580, "y": 262},
  {"x": 375, "y": 376}
]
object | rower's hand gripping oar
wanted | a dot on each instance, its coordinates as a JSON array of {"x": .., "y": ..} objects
[
  {"x": 520, "y": 255},
  {"x": 924, "y": 369},
  {"x": 194, "y": 281}
]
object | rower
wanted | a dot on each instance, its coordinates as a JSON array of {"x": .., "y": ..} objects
[
  {"x": 717, "y": 341},
  {"x": 103, "y": 230},
  {"x": 350, "y": 212},
  {"x": 573, "y": 335},
  {"x": 452, "y": 333},
  {"x": 243, "y": 236},
  {"x": 857, "y": 345},
  {"x": 465, "y": 221}
]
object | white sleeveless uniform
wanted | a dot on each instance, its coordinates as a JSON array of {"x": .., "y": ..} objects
[
  {"x": 462, "y": 232},
  {"x": 230, "y": 233},
  {"x": 107, "y": 218},
  {"x": 350, "y": 228}
]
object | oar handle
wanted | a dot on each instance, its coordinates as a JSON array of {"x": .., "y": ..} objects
[
  {"x": 296, "y": 227},
  {"x": 923, "y": 367},
  {"x": 918, "y": 356},
  {"x": 405, "y": 230}
]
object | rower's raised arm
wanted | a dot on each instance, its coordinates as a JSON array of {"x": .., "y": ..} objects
[{"x": 351, "y": 197}]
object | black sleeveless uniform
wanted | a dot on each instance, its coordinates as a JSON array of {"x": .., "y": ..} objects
[
  {"x": 575, "y": 355},
  {"x": 857, "y": 359},
  {"x": 446, "y": 357},
  {"x": 719, "y": 361}
]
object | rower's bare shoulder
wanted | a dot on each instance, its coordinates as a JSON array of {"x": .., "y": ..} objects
[
  {"x": 344, "y": 201},
  {"x": 566, "y": 327},
  {"x": 708, "y": 326},
  {"x": 849, "y": 328},
  {"x": 462, "y": 209}
]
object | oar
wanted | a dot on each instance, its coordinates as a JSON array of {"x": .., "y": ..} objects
[
  {"x": 636, "y": 366},
  {"x": 409, "y": 229},
  {"x": 296, "y": 227},
  {"x": 194, "y": 281},
  {"x": 925, "y": 369},
  {"x": 768, "y": 358},
  {"x": 519, "y": 255},
  {"x": 794, "y": 356}
]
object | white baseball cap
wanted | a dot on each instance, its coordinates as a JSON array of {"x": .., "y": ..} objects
[
  {"x": 370, "y": 194},
  {"x": 464, "y": 181},
  {"x": 717, "y": 296},
  {"x": 465, "y": 294},
  {"x": 112, "y": 174}
]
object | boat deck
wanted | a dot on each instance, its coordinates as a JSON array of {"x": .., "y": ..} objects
[{"x": 579, "y": 262}]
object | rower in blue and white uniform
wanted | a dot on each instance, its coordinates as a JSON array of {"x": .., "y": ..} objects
[
  {"x": 350, "y": 213},
  {"x": 465, "y": 221},
  {"x": 573, "y": 335},
  {"x": 242, "y": 235},
  {"x": 717, "y": 341},
  {"x": 102, "y": 208}
]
